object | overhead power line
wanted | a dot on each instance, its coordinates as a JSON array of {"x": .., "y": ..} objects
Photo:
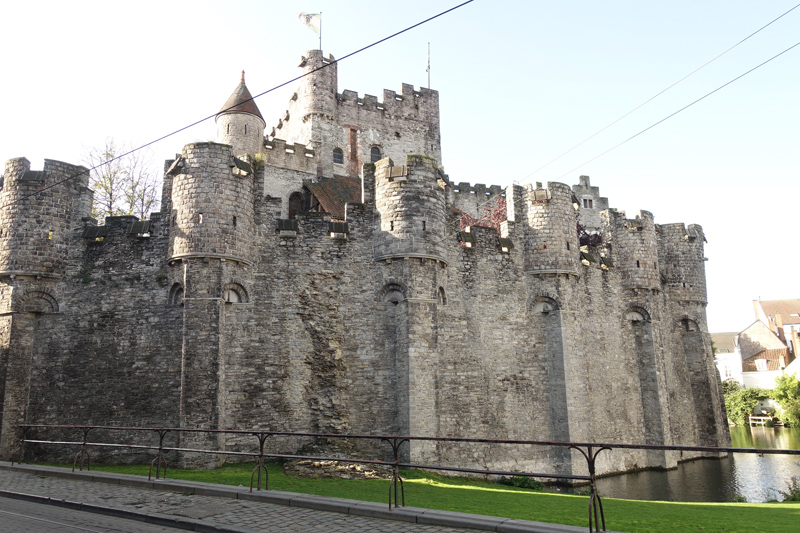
[
  {"x": 193, "y": 124},
  {"x": 679, "y": 110},
  {"x": 598, "y": 132}
]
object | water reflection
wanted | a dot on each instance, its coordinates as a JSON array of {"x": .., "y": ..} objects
[{"x": 756, "y": 478}]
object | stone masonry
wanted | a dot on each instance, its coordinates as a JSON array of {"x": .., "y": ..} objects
[{"x": 231, "y": 309}]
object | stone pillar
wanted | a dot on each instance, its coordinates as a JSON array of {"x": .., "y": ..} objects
[{"x": 202, "y": 316}]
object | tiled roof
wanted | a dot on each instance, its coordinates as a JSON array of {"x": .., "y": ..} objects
[
  {"x": 773, "y": 357},
  {"x": 241, "y": 101},
  {"x": 724, "y": 342},
  {"x": 786, "y": 308},
  {"x": 333, "y": 193}
]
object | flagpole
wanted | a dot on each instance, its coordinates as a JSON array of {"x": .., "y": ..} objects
[
  {"x": 429, "y": 65},
  {"x": 320, "y": 31}
]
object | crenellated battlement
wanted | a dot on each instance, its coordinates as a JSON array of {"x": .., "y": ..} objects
[
  {"x": 290, "y": 155},
  {"x": 408, "y": 101}
]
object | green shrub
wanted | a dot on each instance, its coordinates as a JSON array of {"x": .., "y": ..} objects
[
  {"x": 740, "y": 404},
  {"x": 793, "y": 495},
  {"x": 523, "y": 482},
  {"x": 730, "y": 385}
]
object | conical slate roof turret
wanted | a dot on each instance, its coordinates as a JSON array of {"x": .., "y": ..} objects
[{"x": 241, "y": 101}]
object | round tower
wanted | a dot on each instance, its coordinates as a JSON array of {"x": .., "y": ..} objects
[
  {"x": 240, "y": 124},
  {"x": 35, "y": 224},
  {"x": 636, "y": 250},
  {"x": 410, "y": 201},
  {"x": 317, "y": 91},
  {"x": 212, "y": 205},
  {"x": 552, "y": 242},
  {"x": 310, "y": 119},
  {"x": 682, "y": 263}
]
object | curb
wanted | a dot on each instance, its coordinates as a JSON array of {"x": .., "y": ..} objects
[
  {"x": 416, "y": 515},
  {"x": 188, "y": 524}
]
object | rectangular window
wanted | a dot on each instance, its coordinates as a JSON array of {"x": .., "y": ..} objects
[{"x": 761, "y": 365}]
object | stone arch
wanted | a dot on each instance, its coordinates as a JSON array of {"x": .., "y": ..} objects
[
  {"x": 36, "y": 301},
  {"x": 296, "y": 201},
  {"x": 234, "y": 293},
  {"x": 636, "y": 313},
  {"x": 393, "y": 292},
  {"x": 687, "y": 324},
  {"x": 441, "y": 296},
  {"x": 175, "y": 295},
  {"x": 543, "y": 303}
]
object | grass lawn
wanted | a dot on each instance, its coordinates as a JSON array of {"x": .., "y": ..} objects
[{"x": 474, "y": 496}]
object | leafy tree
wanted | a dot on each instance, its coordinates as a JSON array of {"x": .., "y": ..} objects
[
  {"x": 730, "y": 385},
  {"x": 787, "y": 387},
  {"x": 787, "y": 394},
  {"x": 740, "y": 403},
  {"x": 124, "y": 181}
]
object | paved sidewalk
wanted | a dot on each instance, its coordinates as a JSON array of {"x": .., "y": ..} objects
[{"x": 221, "y": 508}]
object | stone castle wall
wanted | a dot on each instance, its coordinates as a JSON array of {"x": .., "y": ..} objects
[
  {"x": 213, "y": 314},
  {"x": 387, "y": 329}
]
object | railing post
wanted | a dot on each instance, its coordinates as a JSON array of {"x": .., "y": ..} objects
[
  {"x": 160, "y": 457},
  {"x": 83, "y": 451},
  {"x": 395, "y": 443},
  {"x": 595, "y": 503},
  {"x": 262, "y": 437}
]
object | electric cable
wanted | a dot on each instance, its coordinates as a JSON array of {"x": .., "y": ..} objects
[
  {"x": 658, "y": 94},
  {"x": 193, "y": 124},
  {"x": 679, "y": 110}
]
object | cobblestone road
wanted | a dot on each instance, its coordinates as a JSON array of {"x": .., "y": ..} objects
[{"x": 255, "y": 516}]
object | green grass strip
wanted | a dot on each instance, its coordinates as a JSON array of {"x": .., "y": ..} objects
[{"x": 469, "y": 495}]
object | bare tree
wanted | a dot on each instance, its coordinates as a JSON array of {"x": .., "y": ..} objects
[{"x": 123, "y": 184}]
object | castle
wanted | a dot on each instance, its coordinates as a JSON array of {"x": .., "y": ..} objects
[{"x": 314, "y": 275}]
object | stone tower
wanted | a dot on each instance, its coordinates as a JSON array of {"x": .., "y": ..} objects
[
  {"x": 209, "y": 258},
  {"x": 39, "y": 211},
  {"x": 240, "y": 124}
]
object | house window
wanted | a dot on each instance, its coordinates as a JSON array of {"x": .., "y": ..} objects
[
  {"x": 761, "y": 365},
  {"x": 338, "y": 156},
  {"x": 374, "y": 154}
]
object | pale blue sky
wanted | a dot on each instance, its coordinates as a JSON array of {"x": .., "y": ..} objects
[{"x": 519, "y": 82}]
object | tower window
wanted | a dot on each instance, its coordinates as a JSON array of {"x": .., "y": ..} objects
[
  {"x": 374, "y": 154},
  {"x": 200, "y": 218},
  {"x": 228, "y": 129},
  {"x": 234, "y": 221},
  {"x": 587, "y": 203},
  {"x": 245, "y": 129},
  {"x": 338, "y": 156},
  {"x": 50, "y": 235},
  {"x": 637, "y": 264}
]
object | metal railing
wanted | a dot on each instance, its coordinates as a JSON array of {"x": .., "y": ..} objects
[{"x": 588, "y": 450}]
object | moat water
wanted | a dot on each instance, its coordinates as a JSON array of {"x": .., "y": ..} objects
[{"x": 756, "y": 478}]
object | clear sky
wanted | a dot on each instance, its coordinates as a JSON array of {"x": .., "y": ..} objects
[{"x": 520, "y": 83}]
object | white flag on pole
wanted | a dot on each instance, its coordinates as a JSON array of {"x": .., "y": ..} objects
[{"x": 312, "y": 20}]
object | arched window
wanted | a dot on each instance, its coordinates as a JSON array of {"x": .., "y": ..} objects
[
  {"x": 441, "y": 296},
  {"x": 295, "y": 204},
  {"x": 637, "y": 314},
  {"x": 233, "y": 293},
  {"x": 544, "y": 305},
  {"x": 375, "y": 154},
  {"x": 338, "y": 156},
  {"x": 176, "y": 294},
  {"x": 392, "y": 293}
]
